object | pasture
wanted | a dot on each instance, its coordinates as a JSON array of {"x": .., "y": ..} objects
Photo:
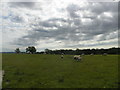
[{"x": 50, "y": 71}]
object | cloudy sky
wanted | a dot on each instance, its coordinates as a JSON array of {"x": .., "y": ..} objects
[{"x": 58, "y": 24}]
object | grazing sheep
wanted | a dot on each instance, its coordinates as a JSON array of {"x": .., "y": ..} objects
[
  {"x": 91, "y": 54},
  {"x": 104, "y": 54},
  {"x": 77, "y": 57},
  {"x": 82, "y": 54},
  {"x": 61, "y": 56}
]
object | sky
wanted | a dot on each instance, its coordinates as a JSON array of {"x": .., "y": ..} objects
[{"x": 58, "y": 24}]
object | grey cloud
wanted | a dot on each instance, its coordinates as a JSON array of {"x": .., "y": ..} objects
[
  {"x": 108, "y": 36},
  {"x": 48, "y": 24},
  {"x": 77, "y": 22},
  {"x": 67, "y": 33},
  {"x": 101, "y": 26},
  {"x": 17, "y": 19},
  {"x": 100, "y": 7},
  {"x": 89, "y": 45},
  {"x": 52, "y": 22},
  {"x": 97, "y": 26},
  {"x": 57, "y": 19},
  {"x": 24, "y": 41},
  {"x": 22, "y": 4},
  {"x": 72, "y": 9}
]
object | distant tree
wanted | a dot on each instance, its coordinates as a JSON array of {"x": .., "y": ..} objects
[
  {"x": 17, "y": 50},
  {"x": 47, "y": 51},
  {"x": 31, "y": 49},
  {"x": 77, "y": 51}
]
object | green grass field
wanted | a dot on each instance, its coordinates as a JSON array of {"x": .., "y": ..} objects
[
  {"x": 50, "y": 71},
  {"x": 0, "y": 61}
]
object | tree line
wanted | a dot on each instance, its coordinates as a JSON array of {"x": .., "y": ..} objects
[
  {"x": 29, "y": 50},
  {"x": 32, "y": 50}
]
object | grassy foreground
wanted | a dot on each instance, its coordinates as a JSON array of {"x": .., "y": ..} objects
[{"x": 50, "y": 71}]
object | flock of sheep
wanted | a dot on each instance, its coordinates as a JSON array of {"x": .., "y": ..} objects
[
  {"x": 75, "y": 57},
  {"x": 79, "y": 57}
]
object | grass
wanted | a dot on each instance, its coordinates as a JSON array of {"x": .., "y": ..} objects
[
  {"x": 50, "y": 71},
  {"x": 0, "y": 61}
]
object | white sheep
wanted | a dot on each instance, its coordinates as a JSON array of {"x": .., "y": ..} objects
[
  {"x": 77, "y": 57},
  {"x": 62, "y": 55}
]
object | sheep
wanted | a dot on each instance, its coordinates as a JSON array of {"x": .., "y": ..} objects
[
  {"x": 104, "y": 54},
  {"x": 77, "y": 57},
  {"x": 61, "y": 56},
  {"x": 82, "y": 54},
  {"x": 91, "y": 54}
]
